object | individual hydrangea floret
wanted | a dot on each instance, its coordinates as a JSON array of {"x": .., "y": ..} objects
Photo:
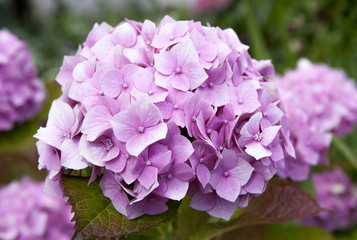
[
  {"x": 320, "y": 101},
  {"x": 26, "y": 212},
  {"x": 21, "y": 91},
  {"x": 336, "y": 193},
  {"x": 166, "y": 111}
]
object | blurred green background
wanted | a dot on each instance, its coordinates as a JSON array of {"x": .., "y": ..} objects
[{"x": 281, "y": 30}]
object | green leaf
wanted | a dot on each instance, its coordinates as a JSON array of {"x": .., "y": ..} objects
[
  {"x": 278, "y": 232},
  {"x": 188, "y": 220},
  {"x": 95, "y": 215},
  {"x": 282, "y": 201}
]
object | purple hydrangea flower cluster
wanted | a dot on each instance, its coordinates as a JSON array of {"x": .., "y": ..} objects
[
  {"x": 167, "y": 111},
  {"x": 338, "y": 195},
  {"x": 26, "y": 212},
  {"x": 21, "y": 91},
  {"x": 320, "y": 101}
]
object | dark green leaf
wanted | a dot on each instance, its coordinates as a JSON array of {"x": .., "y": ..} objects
[
  {"x": 96, "y": 217},
  {"x": 281, "y": 202},
  {"x": 279, "y": 232}
]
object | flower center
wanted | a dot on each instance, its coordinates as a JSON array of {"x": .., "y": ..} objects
[
  {"x": 127, "y": 156},
  {"x": 202, "y": 160},
  {"x": 125, "y": 86},
  {"x": 172, "y": 37},
  {"x": 65, "y": 133},
  {"x": 225, "y": 121},
  {"x": 194, "y": 119},
  {"x": 258, "y": 137},
  {"x": 338, "y": 188},
  {"x": 150, "y": 92},
  {"x": 210, "y": 85},
  {"x": 240, "y": 101},
  {"x": 107, "y": 144},
  {"x": 101, "y": 93},
  {"x": 178, "y": 70},
  {"x": 176, "y": 107},
  {"x": 148, "y": 163},
  {"x": 226, "y": 174},
  {"x": 169, "y": 175},
  {"x": 141, "y": 129}
]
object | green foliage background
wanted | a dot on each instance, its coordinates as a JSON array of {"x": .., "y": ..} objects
[{"x": 281, "y": 30}]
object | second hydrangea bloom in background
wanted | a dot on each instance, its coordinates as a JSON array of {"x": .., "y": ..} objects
[
  {"x": 21, "y": 91},
  {"x": 319, "y": 101}
]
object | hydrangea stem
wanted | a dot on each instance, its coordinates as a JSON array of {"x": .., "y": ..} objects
[{"x": 345, "y": 151}]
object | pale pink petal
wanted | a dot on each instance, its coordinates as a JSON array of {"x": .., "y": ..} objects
[
  {"x": 165, "y": 62},
  {"x": 125, "y": 34},
  {"x": 112, "y": 83},
  {"x": 96, "y": 122},
  {"x": 229, "y": 188},
  {"x": 203, "y": 174},
  {"x": 70, "y": 157},
  {"x": 269, "y": 134},
  {"x": 148, "y": 176},
  {"x": 257, "y": 150},
  {"x": 137, "y": 143},
  {"x": 112, "y": 190}
]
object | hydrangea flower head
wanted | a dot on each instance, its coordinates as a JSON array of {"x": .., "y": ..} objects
[
  {"x": 21, "y": 91},
  {"x": 166, "y": 111},
  {"x": 335, "y": 192},
  {"x": 26, "y": 212},
  {"x": 320, "y": 101}
]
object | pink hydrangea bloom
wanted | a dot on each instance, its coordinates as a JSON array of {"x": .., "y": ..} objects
[
  {"x": 27, "y": 213},
  {"x": 165, "y": 112},
  {"x": 21, "y": 91},
  {"x": 320, "y": 102},
  {"x": 336, "y": 193}
]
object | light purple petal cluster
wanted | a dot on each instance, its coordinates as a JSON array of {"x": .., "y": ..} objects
[
  {"x": 27, "y": 213},
  {"x": 167, "y": 111},
  {"x": 21, "y": 91},
  {"x": 320, "y": 101},
  {"x": 336, "y": 193}
]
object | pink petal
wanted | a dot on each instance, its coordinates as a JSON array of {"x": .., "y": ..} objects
[
  {"x": 180, "y": 82},
  {"x": 165, "y": 62},
  {"x": 61, "y": 115},
  {"x": 138, "y": 142},
  {"x": 70, "y": 157},
  {"x": 203, "y": 202},
  {"x": 229, "y": 188},
  {"x": 257, "y": 150},
  {"x": 195, "y": 73},
  {"x": 125, "y": 34},
  {"x": 269, "y": 134},
  {"x": 203, "y": 174},
  {"x": 243, "y": 171},
  {"x": 112, "y": 190},
  {"x": 256, "y": 184},
  {"x": 176, "y": 189},
  {"x": 182, "y": 171},
  {"x": 112, "y": 83},
  {"x": 148, "y": 176},
  {"x": 96, "y": 122}
]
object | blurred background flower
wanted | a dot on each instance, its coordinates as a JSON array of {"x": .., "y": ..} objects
[{"x": 26, "y": 212}]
